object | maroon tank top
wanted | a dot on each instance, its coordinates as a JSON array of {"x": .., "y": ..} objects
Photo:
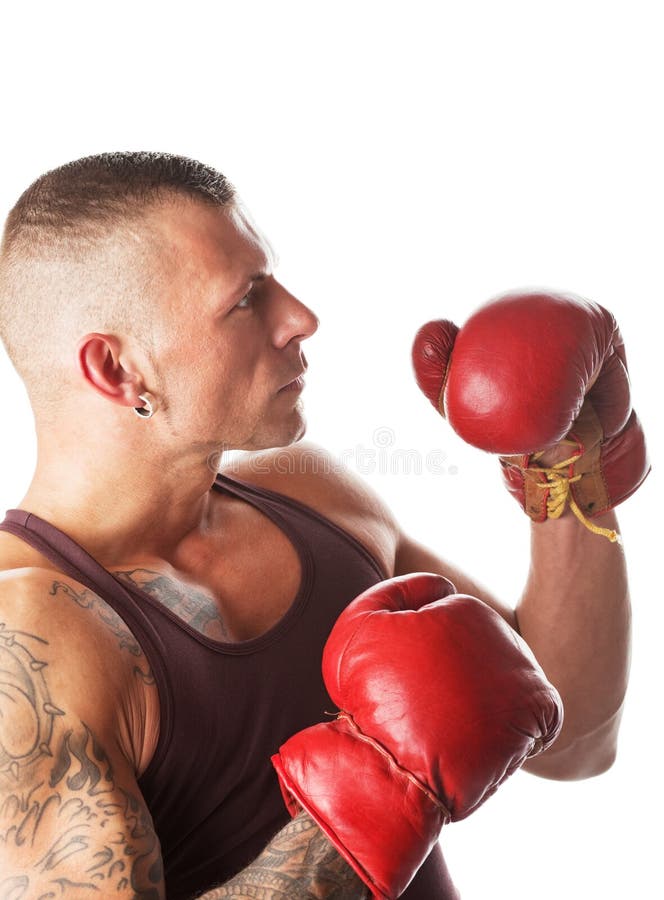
[{"x": 225, "y": 708}]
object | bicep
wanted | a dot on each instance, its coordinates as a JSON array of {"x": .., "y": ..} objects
[{"x": 412, "y": 556}]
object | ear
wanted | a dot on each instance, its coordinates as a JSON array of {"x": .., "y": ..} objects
[{"x": 108, "y": 369}]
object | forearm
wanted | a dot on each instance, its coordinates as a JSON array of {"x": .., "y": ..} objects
[
  {"x": 299, "y": 863},
  {"x": 575, "y": 615}
]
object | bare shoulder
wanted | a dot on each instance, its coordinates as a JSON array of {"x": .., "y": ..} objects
[
  {"x": 71, "y": 815},
  {"x": 312, "y": 475},
  {"x": 48, "y": 619}
]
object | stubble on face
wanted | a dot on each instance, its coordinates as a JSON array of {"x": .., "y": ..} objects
[{"x": 203, "y": 251}]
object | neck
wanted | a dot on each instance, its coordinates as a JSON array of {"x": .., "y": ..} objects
[{"x": 119, "y": 509}]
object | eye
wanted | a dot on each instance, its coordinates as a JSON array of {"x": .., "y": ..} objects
[{"x": 246, "y": 301}]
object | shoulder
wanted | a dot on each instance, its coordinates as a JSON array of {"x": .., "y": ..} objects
[
  {"x": 68, "y": 789},
  {"x": 312, "y": 475},
  {"x": 55, "y": 630}
]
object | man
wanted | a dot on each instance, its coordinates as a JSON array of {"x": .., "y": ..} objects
[{"x": 140, "y": 307}]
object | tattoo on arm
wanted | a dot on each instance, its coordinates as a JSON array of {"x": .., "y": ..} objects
[
  {"x": 27, "y": 714},
  {"x": 61, "y": 808},
  {"x": 299, "y": 863},
  {"x": 86, "y": 599}
]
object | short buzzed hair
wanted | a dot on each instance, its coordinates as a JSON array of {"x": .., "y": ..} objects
[{"x": 67, "y": 251}]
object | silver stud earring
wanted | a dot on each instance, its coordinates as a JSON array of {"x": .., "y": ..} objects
[{"x": 147, "y": 411}]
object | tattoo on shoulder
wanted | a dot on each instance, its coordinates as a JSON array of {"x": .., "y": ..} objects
[
  {"x": 87, "y": 599},
  {"x": 61, "y": 808},
  {"x": 27, "y": 713}
]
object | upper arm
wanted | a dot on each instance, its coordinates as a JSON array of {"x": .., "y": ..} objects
[
  {"x": 411, "y": 556},
  {"x": 72, "y": 818}
]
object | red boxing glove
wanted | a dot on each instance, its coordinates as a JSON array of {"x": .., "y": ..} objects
[
  {"x": 440, "y": 702},
  {"x": 529, "y": 370}
]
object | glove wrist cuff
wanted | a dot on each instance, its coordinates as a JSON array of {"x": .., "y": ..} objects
[
  {"x": 379, "y": 817},
  {"x": 597, "y": 475}
]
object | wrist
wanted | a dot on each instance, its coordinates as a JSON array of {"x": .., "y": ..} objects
[{"x": 574, "y": 535}]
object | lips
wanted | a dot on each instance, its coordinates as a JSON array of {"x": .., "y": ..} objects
[
  {"x": 297, "y": 382},
  {"x": 295, "y": 385}
]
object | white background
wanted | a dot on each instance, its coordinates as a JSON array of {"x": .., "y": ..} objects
[{"x": 408, "y": 160}]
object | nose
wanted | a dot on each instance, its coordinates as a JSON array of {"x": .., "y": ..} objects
[{"x": 292, "y": 319}]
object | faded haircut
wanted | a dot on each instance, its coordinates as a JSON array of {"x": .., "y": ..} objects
[{"x": 70, "y": 261}]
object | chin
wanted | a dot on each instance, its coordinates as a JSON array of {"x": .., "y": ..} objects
[
  {"x": 292, "y": 438},
  {"x": 282, "y": 436}
]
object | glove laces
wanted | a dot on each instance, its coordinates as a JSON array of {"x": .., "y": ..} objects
[{"x": 558, "y": 482}]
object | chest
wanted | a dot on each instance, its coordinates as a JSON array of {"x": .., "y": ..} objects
[{"x": 232, "y": 584}]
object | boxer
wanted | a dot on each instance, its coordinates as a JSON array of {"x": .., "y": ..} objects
[{"x": 194, "y": 651}]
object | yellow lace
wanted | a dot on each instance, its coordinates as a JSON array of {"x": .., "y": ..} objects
[{"x": 558, "y": 484}]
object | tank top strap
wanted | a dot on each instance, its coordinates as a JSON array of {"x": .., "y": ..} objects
[
  {"x": 55, "y": 545},
  {"x": 293, "y": 513},
  {"x": 72, "y": 559}
]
